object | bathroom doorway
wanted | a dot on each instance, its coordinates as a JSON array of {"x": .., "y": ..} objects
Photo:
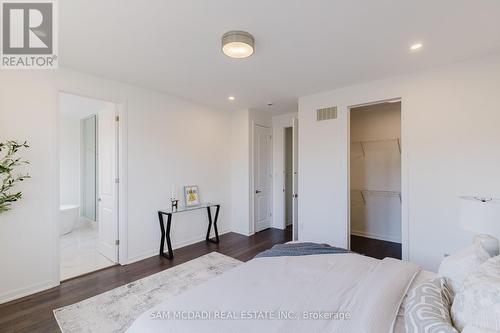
[{"x": 88, "y": 156}]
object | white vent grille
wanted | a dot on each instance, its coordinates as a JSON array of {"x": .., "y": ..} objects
[{"x": 326, "y": 113}]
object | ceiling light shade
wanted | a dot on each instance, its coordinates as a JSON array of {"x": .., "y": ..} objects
[
  {"x": 416, "y": 46},
  {"x": 237, "y": 44}
]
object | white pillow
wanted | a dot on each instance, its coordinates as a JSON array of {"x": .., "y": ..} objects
[
  {"x": 456, "y": 267},
  {"x": 427, "y": 308},
  {"x": 478, "y": 302}
]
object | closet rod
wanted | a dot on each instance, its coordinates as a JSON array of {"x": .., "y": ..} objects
[
  {"x": 389, "y": 193},
  {"x": 363, "y": 142}
]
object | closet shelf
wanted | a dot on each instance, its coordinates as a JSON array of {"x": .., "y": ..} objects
[
  {"x": 377, "y": 192},
  {"x": 362, "y": 143}
]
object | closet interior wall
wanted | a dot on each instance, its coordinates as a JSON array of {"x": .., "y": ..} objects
[{"x": 376, "y": 171}]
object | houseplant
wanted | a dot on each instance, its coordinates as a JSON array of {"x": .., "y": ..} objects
[{"x": 8, "y": 163}]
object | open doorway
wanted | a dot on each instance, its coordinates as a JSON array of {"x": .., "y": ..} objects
[
  {"x": 88, "y": 154},
  {"x": 375, "y": 180},
  {"x": 286, "y": 185}
]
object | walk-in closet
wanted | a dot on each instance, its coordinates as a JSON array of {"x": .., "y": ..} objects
[{"x": 375, "y": 179}]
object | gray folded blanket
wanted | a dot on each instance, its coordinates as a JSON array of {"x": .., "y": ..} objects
[{"x": 300, "y": 249}]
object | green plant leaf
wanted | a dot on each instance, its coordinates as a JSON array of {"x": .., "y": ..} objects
[{"x": 8, "y": 163}]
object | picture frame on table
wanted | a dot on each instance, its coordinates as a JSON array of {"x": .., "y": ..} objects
[{"x": 191, "y": 195}]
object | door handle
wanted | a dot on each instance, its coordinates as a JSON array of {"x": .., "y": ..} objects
[{"x": 258, "y": 191}]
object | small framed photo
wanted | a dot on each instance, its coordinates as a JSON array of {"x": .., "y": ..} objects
[{"x": 191, "y": 195}]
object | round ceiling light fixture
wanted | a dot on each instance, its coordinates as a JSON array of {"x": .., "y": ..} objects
[
  {"x": 237, "y": 44},
  {"x": 416, "y": 46}
]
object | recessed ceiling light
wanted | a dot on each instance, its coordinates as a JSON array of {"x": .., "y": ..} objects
[
  {"x": 416, "y": 46},
  {"x": 237, "y": 44},
  {"x": 231, "y": 98}
]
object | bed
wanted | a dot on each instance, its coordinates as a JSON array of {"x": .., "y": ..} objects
[{"x": 328, "y": 292}]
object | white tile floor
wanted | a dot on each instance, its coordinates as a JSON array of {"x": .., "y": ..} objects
[{"x": 80, "y": 253}]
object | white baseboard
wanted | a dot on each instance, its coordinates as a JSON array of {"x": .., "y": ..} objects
[
  {"x": 176, "y": 245},
  {"x": 142, "y": 256},
  {"x": 240, "y": 232},
  {"x": 26, "y": 291},
  {"x": 375, "y": 236}
]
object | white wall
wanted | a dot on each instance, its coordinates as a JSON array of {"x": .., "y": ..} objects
[
  {"x": 240, "y": 172},
  {"x": 69, "y": 150},
  {"x": 450, "y": 128},
  {"x": 279, "y": 123},
  {"x": 170, "y": 141},
  {"x": 173, "y": 142},
  {"x": 261, "y": 117},
  {"x": 376, "y": 166}
]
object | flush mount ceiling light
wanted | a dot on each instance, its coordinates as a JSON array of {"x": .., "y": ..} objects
[
  {"x": 231, "y": 98},
  {"x": 237, "y": 44},
  {"x": 416, "y": 46}
]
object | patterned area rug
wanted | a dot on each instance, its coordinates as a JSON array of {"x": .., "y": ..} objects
[{"x": 116, "y": 310}]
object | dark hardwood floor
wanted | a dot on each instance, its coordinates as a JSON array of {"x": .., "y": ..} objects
[
  {"x": 375, "y": 248},
  {"x": 34, "y": 313}
]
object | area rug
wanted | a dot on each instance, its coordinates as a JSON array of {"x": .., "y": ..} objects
[{"x": 116, "y": 310}]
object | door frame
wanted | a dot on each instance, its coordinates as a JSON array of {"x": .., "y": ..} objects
[
  {"x": 295, "y": 179},
  {"x": 252, "y": 180},
  {"x": 283, "y": 174},
  {"x": 279, "y": 197},
  {"x": 404, "y": 177},
  {"x": 279, "y": 125},
  {"x": 122, "y": 174}
]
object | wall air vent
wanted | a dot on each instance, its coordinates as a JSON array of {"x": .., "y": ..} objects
[{"x": 326, "y": 113}]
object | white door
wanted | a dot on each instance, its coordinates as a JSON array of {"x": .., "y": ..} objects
[
  {"x": 108, "y": 182},
  {"x": 262, "y": 178},
  {"x": 295, "y": 221}
]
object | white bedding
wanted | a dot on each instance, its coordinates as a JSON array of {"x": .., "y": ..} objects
[{"x": 370, "y": 290}]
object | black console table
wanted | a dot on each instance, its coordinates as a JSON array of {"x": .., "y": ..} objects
[{"x": 169, "y": 212}]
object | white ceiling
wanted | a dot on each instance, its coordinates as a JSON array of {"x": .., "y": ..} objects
[{"x": 302, "y": 46}]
